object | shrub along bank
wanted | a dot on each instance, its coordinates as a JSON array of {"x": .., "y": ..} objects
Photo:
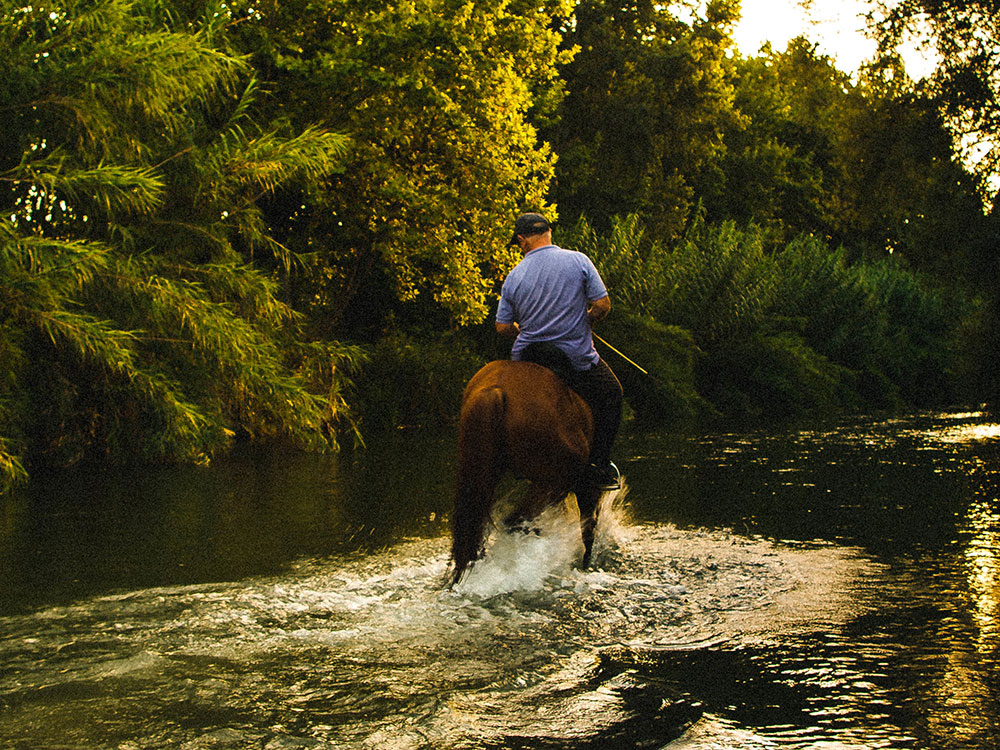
[{"x": 727, "y": 328}]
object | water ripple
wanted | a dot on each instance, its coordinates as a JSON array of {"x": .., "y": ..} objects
[{"x": 352, "y": 651}]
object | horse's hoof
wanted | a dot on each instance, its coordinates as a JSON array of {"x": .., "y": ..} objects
[{"x": 515, "y": 524}]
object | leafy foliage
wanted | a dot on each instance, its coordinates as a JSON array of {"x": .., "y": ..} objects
[
  {"x": 667, "y": 393},
  {"x": 632, "y": 265},
  {"x": 134, "y": 324},
  {"x": 199, "y": 200},
  {"x": 720, "y": 283},
  {"x": 803, "y": 330},
  {"x": 878, "y": 319},
  {"x": 965, "y": 36},
  {"x": 772, "y": 375},
  {"x": 965, "y": 86},
  {"x": 865, "y": 163},
  {"x": 436, "y": 94},
  {"x": 640, "y": 130},
  {"x": 415, "y": 380}
]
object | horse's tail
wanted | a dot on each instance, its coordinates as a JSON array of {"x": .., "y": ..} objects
[{"x": 480, "y": 465}]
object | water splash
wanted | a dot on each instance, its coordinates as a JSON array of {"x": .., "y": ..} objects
[{"x": 546, "y": 555}]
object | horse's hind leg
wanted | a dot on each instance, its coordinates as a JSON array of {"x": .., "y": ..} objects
[{"x": 587, "y": 498}]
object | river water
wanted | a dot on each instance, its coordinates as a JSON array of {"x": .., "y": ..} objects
[{"x": 835, "y": 587}]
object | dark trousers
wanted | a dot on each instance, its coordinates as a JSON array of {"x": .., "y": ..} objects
[{"x": 599, "y": 387}]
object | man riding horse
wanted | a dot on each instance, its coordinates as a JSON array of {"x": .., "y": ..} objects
[
  {"x": 551, "y": 425},
  {"x": 548, "y": 304}
]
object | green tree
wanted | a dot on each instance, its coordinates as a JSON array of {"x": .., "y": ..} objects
[
  {"x": 648, "y": 98},
  {"x": 133, "y": 323},
  {"x": 867, "y": 164},
  {"x": 905, "y": 190},
  {"x": 770, "y": 333},
  {"x": 436, "y": 94},
  {"x": 965, "y": 37},
  {"x": 777, "y": 163}
]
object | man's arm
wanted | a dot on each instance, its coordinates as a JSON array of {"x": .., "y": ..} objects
[{"x": 599, "y": 308}]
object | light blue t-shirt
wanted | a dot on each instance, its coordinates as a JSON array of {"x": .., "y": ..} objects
[{"x": 547, "y": 295}]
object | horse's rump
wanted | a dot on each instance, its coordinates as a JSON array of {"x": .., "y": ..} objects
[{"x": 546, "y": 426}]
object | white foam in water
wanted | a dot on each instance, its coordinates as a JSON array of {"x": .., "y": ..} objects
[{"x": 519, "y": 561}]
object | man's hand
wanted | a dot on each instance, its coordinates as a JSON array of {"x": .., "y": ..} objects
[
  {"x": 599, "y": 308},
  {"x": 508, "y": 330}
]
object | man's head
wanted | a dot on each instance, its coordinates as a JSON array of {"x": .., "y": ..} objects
[{"x": 528, "y": 225}]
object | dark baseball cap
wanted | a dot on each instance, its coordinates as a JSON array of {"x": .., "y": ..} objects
[{"x": 529, "y": 224}]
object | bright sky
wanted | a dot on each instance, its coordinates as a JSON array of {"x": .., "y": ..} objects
[{"x": 836, "y": 25}]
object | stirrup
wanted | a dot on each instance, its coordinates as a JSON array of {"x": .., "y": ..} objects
[{"x": 602, "y": 477}]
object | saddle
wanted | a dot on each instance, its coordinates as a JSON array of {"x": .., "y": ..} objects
[{"x": 549, "y": 355}]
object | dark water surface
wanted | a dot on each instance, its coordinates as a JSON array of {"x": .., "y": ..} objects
[{"x": 828, "y": 588}]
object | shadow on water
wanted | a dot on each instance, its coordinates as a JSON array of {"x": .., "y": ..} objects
[{"x": 832, "y": 589}]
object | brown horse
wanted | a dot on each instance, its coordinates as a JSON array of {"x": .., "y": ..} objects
[{"x": 522, "y": 417}]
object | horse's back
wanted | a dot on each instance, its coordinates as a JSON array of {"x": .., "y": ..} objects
[{"x": 546, "y": 427}]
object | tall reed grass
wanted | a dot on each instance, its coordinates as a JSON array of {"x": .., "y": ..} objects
[
  {"x": 726, "y": 326},
  {"x": 780, "y": 331}
]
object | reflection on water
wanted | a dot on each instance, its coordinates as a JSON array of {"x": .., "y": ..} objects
[
  {"x": 831, "y": 588},
  {"x": 250, "y": 513},
  {"x": 967, "y": 433},
  {"x": 981, "y": 532}
]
